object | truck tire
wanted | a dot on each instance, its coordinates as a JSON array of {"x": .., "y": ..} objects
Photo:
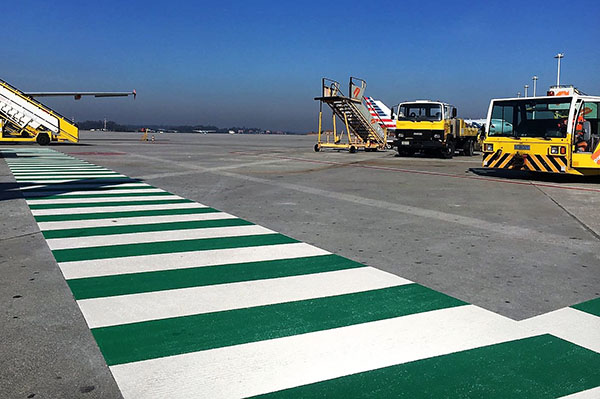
[
  {"x": 43, "y": 139},
  {"x": 317, "y": 147},
  {"x": 352, "y": 149},
  {"x": 469, "y": 148},
  {"x": 448, "y": 150}
]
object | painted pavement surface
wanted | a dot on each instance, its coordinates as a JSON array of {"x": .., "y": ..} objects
[{"x": 188, "y": 301}]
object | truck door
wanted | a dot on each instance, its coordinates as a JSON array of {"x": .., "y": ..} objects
[{"x": 585, "y": 136}]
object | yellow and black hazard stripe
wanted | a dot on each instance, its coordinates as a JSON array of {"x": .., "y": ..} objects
[
  {"x": 532, "y": 162},
  {"x": 546, "y": 163}
]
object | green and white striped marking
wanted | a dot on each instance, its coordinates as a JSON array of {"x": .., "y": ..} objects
[{"x": 187, "y": 301}]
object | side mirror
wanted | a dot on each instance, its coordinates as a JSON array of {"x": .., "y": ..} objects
[{"x": 454, "y": 112}]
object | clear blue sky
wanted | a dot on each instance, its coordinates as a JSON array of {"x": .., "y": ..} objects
[{"x": 259, "y": 63}]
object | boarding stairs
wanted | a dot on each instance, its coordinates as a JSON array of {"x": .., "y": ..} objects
[
  {"x": 352, "y": 111},
  {"x": 24, "y": 119}
]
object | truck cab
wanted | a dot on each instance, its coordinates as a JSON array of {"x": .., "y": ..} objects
[{"x": 556, "y": 133}]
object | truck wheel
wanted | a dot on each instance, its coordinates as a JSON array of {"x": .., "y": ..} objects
[
  {"x": 448, "y": 150},
  {"x": 43, "y": 139},
  {"x": 469, "y": 148},
  {"x": 352, "y": 149},
  {"x": 317, "y": 147}
]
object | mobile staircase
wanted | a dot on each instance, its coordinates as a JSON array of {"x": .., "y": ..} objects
[
  {"x": 362, "y": 129},
  {"x": 24, "y": 119}
]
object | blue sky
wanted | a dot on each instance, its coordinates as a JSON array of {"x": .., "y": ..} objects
[{"x": 259, "y": 63}]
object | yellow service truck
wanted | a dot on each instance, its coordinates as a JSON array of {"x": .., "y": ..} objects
[
  {"x": 432, "y": 126},
  {"x": 556, "y": 133}
]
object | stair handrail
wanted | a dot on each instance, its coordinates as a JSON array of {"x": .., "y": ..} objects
[{"x": 330, "y": 88}]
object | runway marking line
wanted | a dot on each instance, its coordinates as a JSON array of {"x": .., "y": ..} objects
[
  {"x": 421, "y": 172},
  {"x": 187, "y": 301}
]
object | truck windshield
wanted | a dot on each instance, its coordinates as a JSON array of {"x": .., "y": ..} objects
[
  {"x": 420, "y": 112},
  {"x": 545, "y": 118}
]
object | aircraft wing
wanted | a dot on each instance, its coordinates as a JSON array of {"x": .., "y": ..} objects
[{"x": 78, "y": 94}]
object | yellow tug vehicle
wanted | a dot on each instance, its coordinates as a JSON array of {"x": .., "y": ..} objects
[{"x": 556, "y": 133}]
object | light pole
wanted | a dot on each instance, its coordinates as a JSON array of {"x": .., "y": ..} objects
[
  {"x": 535, "y": 78},
  {"x": 559, "y": 56},
  {"x": 526, "y": 87},
  {"x": 518, "y": 94}
]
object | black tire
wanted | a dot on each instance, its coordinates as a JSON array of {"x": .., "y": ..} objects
[
  {"x": 43, "y": 139},
  {"x": 317, "y": 148},
  {"x": 448, "y": 150},
  {"x": 352, "y": 149},
  {"x": 469, "y": 148}
]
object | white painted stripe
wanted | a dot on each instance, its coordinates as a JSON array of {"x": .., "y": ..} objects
[
  {"x": 118, "y": 208},
  {"x": 69, "y": 176},
  {"x": 46, "y": 168},
  {"x": 62, "y": 173},
  {"x": 185, "y": 260},
  {"x": 92, "y": 200},
  {"x": 83, "y": 224},
  {"x": 124, "y": 309},
  {"x": 67, "y": 194},
  {"x": 593, "y": 393},
  {"x": 157, "y": 236},
  {"x": 83, "y": 185},
  {"x": 570, "y": 324},
  {"x": 62, "y": 168},
  {"x": 249, "y": 369},
  {"x": 47, "y": 164}
]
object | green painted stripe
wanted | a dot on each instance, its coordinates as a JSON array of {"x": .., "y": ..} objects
[
  {"x": 140, "y": 228},
  {"x": 538, "y": 367},
  {"x": 107, "y": 195},
  {"x": 164, "y": 247},
  {"x": 126, "y": 214},
  {"x": 109, "y": 203},
  {"x": 96, "y": 287},
  {"x": 158, "y": 338},
  {"x": 592, "y": 307}
]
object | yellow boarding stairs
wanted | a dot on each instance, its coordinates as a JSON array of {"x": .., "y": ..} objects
[
  {"x": 24, "y": 119},
  {"x": 362, "y": 129}
]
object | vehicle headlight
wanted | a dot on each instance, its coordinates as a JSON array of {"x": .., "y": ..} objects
[
  {"x": 489, "y": 147},
  {"x": 400, "y": 135},
  {"x": 554, "y": 150},
  {"x": 436, "y": 136}
]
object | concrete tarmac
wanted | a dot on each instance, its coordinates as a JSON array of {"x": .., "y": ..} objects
[{"x": 517, "y": 244}]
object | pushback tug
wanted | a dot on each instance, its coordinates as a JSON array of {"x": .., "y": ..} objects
[{"x": 556, "y": 133}]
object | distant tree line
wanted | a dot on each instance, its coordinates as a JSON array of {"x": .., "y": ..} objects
[{"x": 115, "y": 127}]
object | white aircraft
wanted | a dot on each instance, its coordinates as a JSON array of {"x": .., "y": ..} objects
[{"x": 204, "y": 131}]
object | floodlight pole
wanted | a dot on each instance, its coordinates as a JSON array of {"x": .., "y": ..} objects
[
  {"x": 559, "y": 56},
  {"x": 535, "y": 78},
  {"x": 526, "y": 87}
]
